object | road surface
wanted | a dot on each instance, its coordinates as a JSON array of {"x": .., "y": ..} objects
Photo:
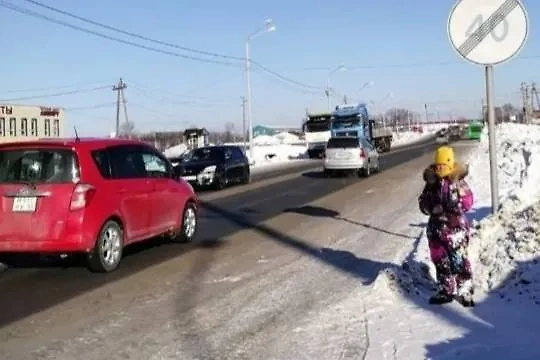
[{"x": 273, "y": 260}]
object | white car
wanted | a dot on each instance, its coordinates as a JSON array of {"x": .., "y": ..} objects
[{"x": 346, "y": 153}]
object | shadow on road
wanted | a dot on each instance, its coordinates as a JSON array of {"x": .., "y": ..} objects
[
  {"x": 56, "y": 281},
  {"x": 364, "y": 269},
  {"x": 317, "y": 211}
]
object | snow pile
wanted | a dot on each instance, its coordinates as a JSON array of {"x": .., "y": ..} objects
[
  {"x": 175, "y": 151},
  {"x": 407, "y": 137},
  {"x": 277, "y": 139},
  {"x": 287, "y": 138},
  {"x": 266, "y": 140},
  {"x": 506, "y": 247},
  {"x": 264, "y": 155}
]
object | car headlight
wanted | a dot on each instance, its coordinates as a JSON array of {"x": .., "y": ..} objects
[{"x": 209, "y": 170}]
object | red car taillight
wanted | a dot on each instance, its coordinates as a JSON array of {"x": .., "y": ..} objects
[
  {"x": 81, "y": 197},
  {"x": 363, "y": 154}
]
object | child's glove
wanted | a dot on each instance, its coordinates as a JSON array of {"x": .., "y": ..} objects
[{"x": 429, "y": 176}]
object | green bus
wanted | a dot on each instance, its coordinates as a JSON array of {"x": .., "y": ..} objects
[{"x": 474, "y": 131}]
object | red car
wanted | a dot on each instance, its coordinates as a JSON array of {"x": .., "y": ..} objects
[{"x": 94, "y": 196}]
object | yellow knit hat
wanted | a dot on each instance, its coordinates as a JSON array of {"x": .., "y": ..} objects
[{"x": 444, "y": 161}]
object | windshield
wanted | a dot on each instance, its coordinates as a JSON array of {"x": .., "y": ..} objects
[
  {"x": 38, "y": 166},
  {"x": 342, "y": 143},
  {"x": 317, "y": 126},
  {"x": 204, "y": 154},
  {"x": 346, "y": 122},
  {"x": 317, "y": 123}
]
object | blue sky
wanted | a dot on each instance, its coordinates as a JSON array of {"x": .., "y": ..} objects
[{"x": 400, "y": 46}]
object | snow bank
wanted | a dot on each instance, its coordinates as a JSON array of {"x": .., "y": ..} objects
[
  {"x": 408, "y": 137},
  {"x": 266, "y": 155},
  {"x": 175, "y": 151}
]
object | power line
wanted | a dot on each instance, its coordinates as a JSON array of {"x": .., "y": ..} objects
[
  {"x": 132, "y": 34},
  {"x": 126, "y": 42},
  {"x": 91, "y": 107},
  {"x": 284, "y": 78},
  {"x": 108, "y": 37},
  {"x": 56, "y": 94},
  {"x": 51, "y": 88}
]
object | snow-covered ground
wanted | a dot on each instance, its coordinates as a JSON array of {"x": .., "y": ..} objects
[{"x": 504, "y": 251}]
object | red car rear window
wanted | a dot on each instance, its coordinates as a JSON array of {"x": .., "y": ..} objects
[{"x": 38, "y": 166}]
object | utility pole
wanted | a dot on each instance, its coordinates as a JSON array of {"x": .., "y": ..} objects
[
  {"x": 243, "y": 119},
  {"x": 119, "y": 88}
]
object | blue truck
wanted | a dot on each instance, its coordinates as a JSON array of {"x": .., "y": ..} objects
[{"x": 354, "y": 120}]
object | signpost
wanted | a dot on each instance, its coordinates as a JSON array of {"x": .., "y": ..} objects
[{"x": 488, "y": 32}]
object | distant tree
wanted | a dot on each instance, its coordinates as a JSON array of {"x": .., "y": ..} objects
[
  {"x": 127, "y": 129},
  {"x": 229, "y": 132}
]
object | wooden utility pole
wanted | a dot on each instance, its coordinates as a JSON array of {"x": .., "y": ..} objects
[{"x": 120, "y": 99}]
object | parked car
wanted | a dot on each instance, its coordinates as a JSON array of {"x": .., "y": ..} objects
[
  {"x": 215, "y": 166},
  {"x": 442, "y": 137},
  {"x": 92, "y": 196},
  {"x": 344, "y": 153}
]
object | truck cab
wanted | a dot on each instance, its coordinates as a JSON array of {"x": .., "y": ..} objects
[
  {"x": 354, "y": 120},
  {"x": 317, "y": 133}
]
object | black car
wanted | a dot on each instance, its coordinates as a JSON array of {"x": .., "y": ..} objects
[{"x": 214, "y": 166}]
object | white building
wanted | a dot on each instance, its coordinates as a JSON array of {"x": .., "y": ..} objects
[{"x": 30, "y": 122}]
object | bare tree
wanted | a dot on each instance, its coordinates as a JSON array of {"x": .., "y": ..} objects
[
  {"x": 229, "y": 132},
  {"x": 127, "y": 129}
]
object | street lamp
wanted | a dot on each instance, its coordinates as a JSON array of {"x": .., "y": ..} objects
[
  {"x": 369, "y": 83},
  {"x": 268, "y": 27},
  {"x": 328, "y": 89}
]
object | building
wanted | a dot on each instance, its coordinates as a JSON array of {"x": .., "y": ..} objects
[
  {"x": 196, "y": 137},
  {"x": 30, "y": 122}
]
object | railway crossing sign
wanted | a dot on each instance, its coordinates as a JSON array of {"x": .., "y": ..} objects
[{"x": 488, "y": 32}]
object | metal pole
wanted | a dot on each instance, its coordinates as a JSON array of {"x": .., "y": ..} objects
[
  {"x": 248, "y": 88},
  {"x": 244, "y": 121},
  {"x": 492, "y": 142}
]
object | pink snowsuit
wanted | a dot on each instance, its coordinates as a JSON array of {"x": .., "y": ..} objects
[{"x": 448, "y": 230}]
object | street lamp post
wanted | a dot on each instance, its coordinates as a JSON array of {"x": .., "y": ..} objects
[
  {"x": 268, "y": 27},
  {"x": 328, "y": 89}
]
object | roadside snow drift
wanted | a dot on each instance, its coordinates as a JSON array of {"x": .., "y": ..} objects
[{"x": 504, "y": 252}]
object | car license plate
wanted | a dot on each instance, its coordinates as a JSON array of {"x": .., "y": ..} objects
[
  {"x": 24, "y": 204},
  {"x": 342, "y": 155},
  {"x": 189, "y": 178}
]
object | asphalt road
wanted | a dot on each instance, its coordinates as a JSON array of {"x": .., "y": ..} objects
[
  {"x": 58, "y": 281},
  {"x": 27, "y": 292}
]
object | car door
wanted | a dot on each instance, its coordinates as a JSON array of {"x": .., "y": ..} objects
[
  {"x": 164, "y": 197},
  {"x": 241, "y": 161},
  {"x": 133, "y": 189},
  {"x": 228, "y": 164},
  {"x": 237, "y": 163}
]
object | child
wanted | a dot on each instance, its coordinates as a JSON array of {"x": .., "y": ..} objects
[{"x": 445, "y": 199}]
